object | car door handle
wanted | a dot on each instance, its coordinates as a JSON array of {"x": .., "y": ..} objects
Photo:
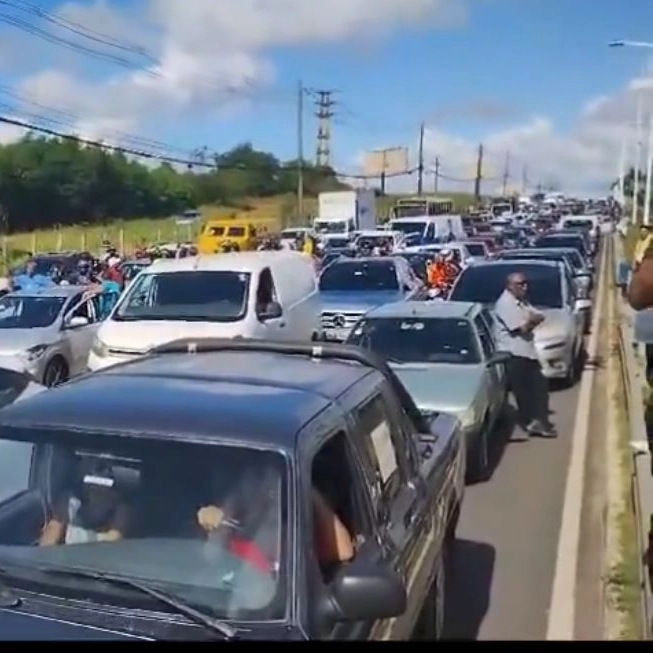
[{"x": 282, "y": 324}]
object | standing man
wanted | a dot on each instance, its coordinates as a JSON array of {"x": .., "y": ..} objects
[{"x": 516, "y": 321}]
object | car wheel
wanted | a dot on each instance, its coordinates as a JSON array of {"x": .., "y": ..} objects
[
  {"x": 430, "y": 626},
  {"x": 56, "y": 372},
  {"x": 478, "y": 461},
  {"x": 573, "y": 368}
]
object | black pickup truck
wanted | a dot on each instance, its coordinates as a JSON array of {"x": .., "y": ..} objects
[{"x": 227, "y": 490}]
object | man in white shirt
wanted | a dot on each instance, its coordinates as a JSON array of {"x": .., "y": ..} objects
[{"x": 516, "y": 320}]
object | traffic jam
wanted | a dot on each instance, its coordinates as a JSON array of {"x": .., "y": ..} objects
[{"x": 268, "y": 436}]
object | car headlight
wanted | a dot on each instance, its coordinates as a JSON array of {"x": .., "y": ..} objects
[
  {"x": 467, "y": 417},
  {"x": 34, "y": 353},
  {"x": 99, "y": 348}
]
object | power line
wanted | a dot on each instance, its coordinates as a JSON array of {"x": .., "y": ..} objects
[
  {"x": 153, "y": 68},
  {"x": 199, "y": 162}
]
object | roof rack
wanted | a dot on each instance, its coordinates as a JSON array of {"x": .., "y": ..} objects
[{"x": 323, "y": 351}]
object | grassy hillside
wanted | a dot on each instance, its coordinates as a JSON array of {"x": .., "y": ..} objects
[{"x": 277, "y": 212}]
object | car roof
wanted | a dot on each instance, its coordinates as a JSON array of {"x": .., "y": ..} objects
[
  {"x": 368, "y": 233},
  {"x": 537, "y": 252},
  {"x": 426, "y": 310},
  {"x": 52, "y": 291},
  {"x": 506, "y": 262},
  {"x": 258, "y": 398},
  {"x": 369, "y": 259},
  {"x": 228, "y": 262},
  {"x": 561, "y": 234}
]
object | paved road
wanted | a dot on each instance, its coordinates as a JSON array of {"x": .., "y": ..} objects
[{"x": 504, "y": 562}]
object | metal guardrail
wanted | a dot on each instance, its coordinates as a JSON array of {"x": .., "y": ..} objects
[{"x": 634, "y": 380}]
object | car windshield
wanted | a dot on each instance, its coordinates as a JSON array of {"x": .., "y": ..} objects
[
  {"x": 22, "y": 312},
  {"x": 476, "y": 249},
  {"x": 485, "y": 283},
  {"x": 580, "y": 225},
  {"x": 194, "y": 295},
  {"x": 575, "y": 259},
  {"x": 371, "y": 241},
  {"x": 408, "y": 227},
  {"x": 337, "y": 243},
  {"x": 410, "y": 210},
  {"x": 418, "y": 340},
  {"x": 359, "y": 275},
  {"x": 206, "y": 524},
  {"x": 561, "y": 241},
  {"x": 331, "y": 226}
]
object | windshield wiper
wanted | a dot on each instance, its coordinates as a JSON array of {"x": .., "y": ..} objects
[{"x": 197, "y": 616}]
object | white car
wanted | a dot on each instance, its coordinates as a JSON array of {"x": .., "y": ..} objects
[
  {"x": 551, "y": 290},
  {"x": 265, "y": 295}
]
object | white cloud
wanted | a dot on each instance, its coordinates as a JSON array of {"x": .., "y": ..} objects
[
  {"x": 207, "y": 54},
  {"x": 212, "y": 53},
  {"x": 583, "y": 158}
]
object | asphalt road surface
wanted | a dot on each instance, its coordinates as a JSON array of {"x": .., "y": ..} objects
[{"x": 503, "y": 565}]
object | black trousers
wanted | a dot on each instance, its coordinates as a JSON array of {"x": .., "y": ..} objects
[{"x": 530, "y": 389}]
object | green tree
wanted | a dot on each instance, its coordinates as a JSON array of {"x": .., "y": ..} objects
[{"x": 46, "y": 181}]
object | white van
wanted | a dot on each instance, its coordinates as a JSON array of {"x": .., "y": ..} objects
[
  {"x": 268, "y": 295},
  {"x": 430, "y": 229}
]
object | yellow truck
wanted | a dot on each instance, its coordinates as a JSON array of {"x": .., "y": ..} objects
[{"x": 220, "y": 232}]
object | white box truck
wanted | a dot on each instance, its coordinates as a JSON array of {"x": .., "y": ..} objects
[{"x": 345, "y": 211}]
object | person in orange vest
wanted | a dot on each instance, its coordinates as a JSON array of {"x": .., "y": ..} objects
[{"x": 436, "y": 272}]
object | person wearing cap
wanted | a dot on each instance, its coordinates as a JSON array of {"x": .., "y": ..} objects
[{"x": 91, "y": 512}]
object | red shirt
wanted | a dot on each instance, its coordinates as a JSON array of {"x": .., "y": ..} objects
[{"x": 249, "y": 552}]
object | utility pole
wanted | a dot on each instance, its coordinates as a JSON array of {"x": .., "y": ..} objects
[
  {"x": 649, "y": 171},
  {"x": 638, "y": 157},
  {"x": 300, "y": 150},
  {"x": 420, "y": 163},
  {"x": 436, "y": 180},
  {"x": 506, "y": 175},
  {"x": 479, "y": 174},
  {"x": 524, "y": 179},
  {"x": 324, "y": 114}
]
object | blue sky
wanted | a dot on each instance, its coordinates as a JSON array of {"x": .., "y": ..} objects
[{"x": 515, "y": 74}]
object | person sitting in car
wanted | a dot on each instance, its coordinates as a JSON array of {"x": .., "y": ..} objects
[
  {"x": 332, "y": 541},
  {"x": 91, "y": 512}
]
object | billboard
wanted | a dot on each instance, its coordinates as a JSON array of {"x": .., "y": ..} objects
[{"x": 389, "y": 160}]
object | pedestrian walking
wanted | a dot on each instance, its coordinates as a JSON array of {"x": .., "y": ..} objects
[{"x": 516, "y": 321}]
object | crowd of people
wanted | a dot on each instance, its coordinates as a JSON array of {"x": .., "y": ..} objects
[{"x": 102, "y": 276}]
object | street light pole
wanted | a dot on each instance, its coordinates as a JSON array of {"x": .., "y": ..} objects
[
  {"x": 638, "y": 158},
  {"x": 638, "y": 145}
]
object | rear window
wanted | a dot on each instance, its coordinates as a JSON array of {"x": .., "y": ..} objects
[
  {"x": 485, "y": 283},
  {"x": 359, "y": 275}
]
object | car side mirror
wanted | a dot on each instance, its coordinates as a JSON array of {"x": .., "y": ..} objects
[
  {"x": 367, "y": 589},
  {"x": 498, "y": 358},
  {"x": 76, "y": 322},
  {"x": 273, "y": 311}
]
